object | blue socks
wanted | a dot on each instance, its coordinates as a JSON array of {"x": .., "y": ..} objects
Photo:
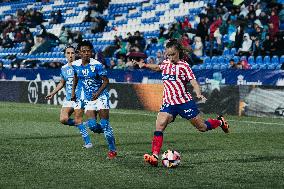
[
  {"x": 71, "y": 122},
  {"x": 108, "y": 132},
  {"x": 93, "y": 126},
  {"x": 84, "y": 133}
]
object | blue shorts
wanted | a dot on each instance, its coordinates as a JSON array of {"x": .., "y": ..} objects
[{"x": 186, "y": 110}]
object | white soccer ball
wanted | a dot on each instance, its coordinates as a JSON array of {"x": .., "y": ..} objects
[{"x": 171, "y": 158}]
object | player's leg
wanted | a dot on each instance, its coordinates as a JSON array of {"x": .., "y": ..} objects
[
  {"x": 78, "y": 117},
  {"x": 108, "y": 132},
  {"x": 65, "y": 114},
  {"x": 190, "y": 111},
  {"x": 165, "y": 116},
  {"x": 91, "y": 122}
]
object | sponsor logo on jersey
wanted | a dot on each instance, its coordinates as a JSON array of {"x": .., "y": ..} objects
[{"x": 169, "y": 77}]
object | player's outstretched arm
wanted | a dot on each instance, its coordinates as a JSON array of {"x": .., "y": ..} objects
[
  {"x": 153, "y": 67},
  {"x": 75, "y": 82},
  {"x": 197, "y": 90},
  {"x": 58, "y": 88}
]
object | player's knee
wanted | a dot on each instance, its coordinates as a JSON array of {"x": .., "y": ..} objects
[
  {"x": 78, "y": 121},
  {"x": 63, "y": 120}
]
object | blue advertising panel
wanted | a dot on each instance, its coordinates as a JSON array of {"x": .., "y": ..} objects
[{"x": 227, "y": 77}]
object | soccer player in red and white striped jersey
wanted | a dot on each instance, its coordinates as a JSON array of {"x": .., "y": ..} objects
[{"x": 176, "y": 74}]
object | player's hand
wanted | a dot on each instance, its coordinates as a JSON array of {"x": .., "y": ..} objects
[
  {"x": 73, "y": 98},
  {"x": 202, "y": 98},
  {"x": 49, "y": 96},
  {"x": 140, "y": 64},
  {"x": 95, "y": 96}
]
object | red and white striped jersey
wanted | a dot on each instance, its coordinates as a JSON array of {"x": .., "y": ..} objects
[{"x": 175, "y": 77}]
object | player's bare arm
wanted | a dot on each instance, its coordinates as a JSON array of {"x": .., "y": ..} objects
[
  {"x": 75, "y": 82},
  {"x": 197, "y": 90},
  {"x": 102, "y": 88},
  {"x": 60, "y": 85},
  {"x": 153, "y": 67}
]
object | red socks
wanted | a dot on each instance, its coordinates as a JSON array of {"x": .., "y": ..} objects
[
  {"x": 212, "y": 123},
  {"x": 157, "y": 142}
]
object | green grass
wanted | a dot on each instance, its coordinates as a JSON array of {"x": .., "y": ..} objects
[{"x": 38, "y": 152}]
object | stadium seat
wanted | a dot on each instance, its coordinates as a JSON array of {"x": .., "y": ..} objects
[
  {"x": 282, "y": 59},
  {"x": 258, "y": 60},
  {"x": 251, "y": 60},
  {"x": 206, "y": 60},
  {"x": 275, "y": 60},
  {"x": 236, "y": 59},
  {"x": 266, "y": 60},
  {"x": 214, "y": 60},
  {"x": 233, "y": 51}
]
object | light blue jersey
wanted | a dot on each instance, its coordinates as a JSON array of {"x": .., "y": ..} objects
[
  {"x": 67, "y": 74},
  {"x": 89, "y": 79}
]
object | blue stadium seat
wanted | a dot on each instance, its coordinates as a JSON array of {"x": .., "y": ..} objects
[
  {"x": 282, "y": 59},
  {"x": 221, "y": 60},
  {"x": 233, "y": 51},
  {"x": 206, "y": 60},
  {"x": 258, "y": 60},
  {"x": 226, "y": 52},
  {"x": 275, "y": 60},
  {"x": 251, "y": 60},
  {"x": 266, "y": 60},
  {"x": 236, "y": 59},
  {"x": 214, "y": 60}
]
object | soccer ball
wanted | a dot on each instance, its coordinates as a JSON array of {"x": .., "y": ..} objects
[{"x": 171, "y": 158}]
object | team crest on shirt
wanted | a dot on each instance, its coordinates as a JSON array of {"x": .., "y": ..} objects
[
  {"x": 69, "y": 72},
  {"x": 93, "y": 68}
]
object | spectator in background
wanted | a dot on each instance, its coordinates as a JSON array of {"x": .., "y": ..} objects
[
  {"x": 198, "y": 46},
  {"x": 202, "y": 30},
  {"x": 266, "y": 45},
  {"x": 159, "y": 57},
  {"x": 64, "y": 35},
  {"x": 120, "y": 64},
  {"x": 185, "y": 41},
  {"x": 256, "y": 47},
  {"x": 28, "y": 42},
  {"x": 239, "y": 37},
  {"x": 246, "y": 46},
  {"x": 186, "y": 26},
  {"x": 56, "y": 17},
  {"x": 112, "y": 63},
  {"x": 233, "y": 65},
  {"x": 274, "y": 20}
]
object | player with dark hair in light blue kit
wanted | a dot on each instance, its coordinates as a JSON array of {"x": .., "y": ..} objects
[{"x": 90, "y": 84}]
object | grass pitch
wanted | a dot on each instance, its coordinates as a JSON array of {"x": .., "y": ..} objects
[{"x": 38, "y": 152}]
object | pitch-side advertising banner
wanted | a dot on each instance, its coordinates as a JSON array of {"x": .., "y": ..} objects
[{"x": 226, "y": 77}]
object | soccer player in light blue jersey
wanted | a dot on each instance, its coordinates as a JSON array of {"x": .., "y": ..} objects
[
  {"x": 90, "y": 84},
  {"x": 67, "y": 75}
]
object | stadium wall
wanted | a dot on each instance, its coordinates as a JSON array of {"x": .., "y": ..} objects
[{"x": 222, "y": 99}]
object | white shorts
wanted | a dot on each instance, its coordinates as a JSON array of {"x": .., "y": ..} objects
[
  {"x": 99, "y": 104},
  {"x": 68, "y": 104}
]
